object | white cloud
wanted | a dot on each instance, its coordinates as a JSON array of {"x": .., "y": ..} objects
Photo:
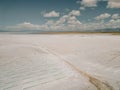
[
  {"x": 52, "y": 14},
  {"x": 113, "y": 4},
  {"x": 103, "y": 16},
  {"x": 75, "y": 13},
  {"x": 68, "y": 21},
  {"x": 96, "y": 26},
  {"x": 26, "y": 26},
  {"x": 70, "y": 18},
  {"x": 72, "y": 24},
  {"x": 73, "y": 21},
  {"x": 113, "y": 23},
  {"x": 62, "y": 19},
  {"x": 115, "y": 16},
  {"x": 65, "y": 22},
  {"x": 82, "y": 8},
  {"x": 89, "y": 3}
]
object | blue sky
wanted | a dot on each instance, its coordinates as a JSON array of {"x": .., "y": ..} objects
[
  {"x": 19, "y": 11},
  {"x": 59, "y": 14}
]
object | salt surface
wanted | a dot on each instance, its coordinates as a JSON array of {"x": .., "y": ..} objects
[{"x": 36, "y": 62}]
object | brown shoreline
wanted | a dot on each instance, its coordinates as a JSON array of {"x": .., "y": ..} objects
[{"x": 113, "y": 33}]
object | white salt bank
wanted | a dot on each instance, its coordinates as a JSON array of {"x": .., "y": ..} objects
[{"x": 60, "y": 62}]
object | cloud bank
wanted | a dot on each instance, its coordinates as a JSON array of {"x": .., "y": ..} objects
[
  {"x": 103, "y": 16},
  {"x": 89, "y": 3}
]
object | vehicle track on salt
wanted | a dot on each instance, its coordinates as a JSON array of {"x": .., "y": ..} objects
[{"x": 99, "y": 84}]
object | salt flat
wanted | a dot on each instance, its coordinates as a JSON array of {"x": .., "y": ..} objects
[{"x": 60, "y": 62}]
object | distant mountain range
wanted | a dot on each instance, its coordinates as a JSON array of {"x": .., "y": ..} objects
[{"x": 107, "y": 30}]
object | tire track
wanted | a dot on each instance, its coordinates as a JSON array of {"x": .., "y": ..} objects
[{"x": 100, "y": 85}]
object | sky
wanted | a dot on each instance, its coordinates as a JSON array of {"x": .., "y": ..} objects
[{"x": 55, "y": 15}]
